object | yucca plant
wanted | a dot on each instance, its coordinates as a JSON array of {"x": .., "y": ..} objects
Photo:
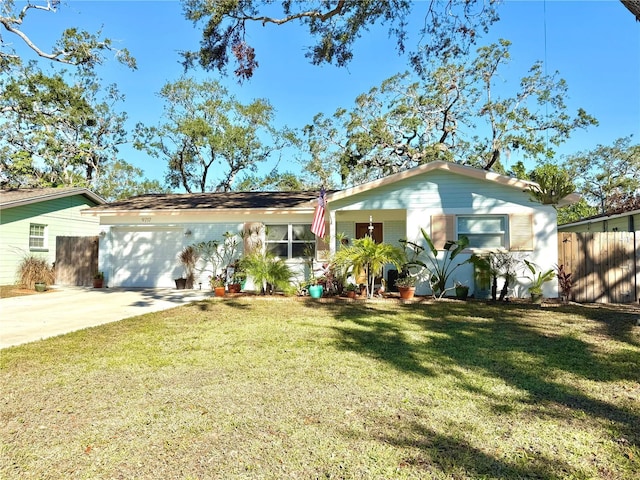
[{"x": 34, "y": 270}]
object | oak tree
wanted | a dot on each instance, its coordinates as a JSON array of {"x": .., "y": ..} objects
[{"x": 207, "y": 137}]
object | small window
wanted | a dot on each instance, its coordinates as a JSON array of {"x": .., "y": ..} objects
[
  {"x": 290, "y": 241},
  {"x": 37, "y": 236},
  {"x": 483, "y": 231}
]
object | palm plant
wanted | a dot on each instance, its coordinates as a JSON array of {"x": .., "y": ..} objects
[
  {"x": 368, "y": 258},
  {"x": 268, "y": 271}
]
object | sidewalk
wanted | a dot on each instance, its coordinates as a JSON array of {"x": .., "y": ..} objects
[{"x": 33, "y": 317}]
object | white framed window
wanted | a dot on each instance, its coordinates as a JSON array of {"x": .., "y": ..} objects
[
  {"x": 483, "y": 231},
  {"x": 290, "y": 241},
  {"x": 37, "y": 236}
]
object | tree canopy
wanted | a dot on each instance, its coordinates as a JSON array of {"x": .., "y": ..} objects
[
  {"x": 451, "y": 112},
  {"x": 449, "y": 27},
  {"x": 74, "y": 47},
  {"x": 208, "y": 137}
]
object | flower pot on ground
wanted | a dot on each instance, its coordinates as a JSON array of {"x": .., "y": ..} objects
[
  {"x": 351, "y": 290},
  {"x": 407, "y": 293},
  {"x": 462, "y": 291},
  {"x": 406, "y": 286},
  {"x": 315, "y": 291},
  {"x": 181, "y": 283},
  {"x": 234, "y": 287},
  {"x": 538, "y": 279},
  {"x": 40, "y": 286},
  {"x": 98, "y": 280},
  {"x": 217, "y": 284}
]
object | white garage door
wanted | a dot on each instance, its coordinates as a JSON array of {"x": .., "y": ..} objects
[{"x": 145, "y": 257}]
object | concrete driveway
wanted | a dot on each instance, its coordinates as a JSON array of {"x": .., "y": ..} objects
[{"x": 33, "y": 317}]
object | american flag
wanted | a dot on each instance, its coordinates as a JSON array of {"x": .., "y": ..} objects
[{"x": 317, "y": 227}]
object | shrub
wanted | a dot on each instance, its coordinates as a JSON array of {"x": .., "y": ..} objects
[{"x": 33, "y": 270}]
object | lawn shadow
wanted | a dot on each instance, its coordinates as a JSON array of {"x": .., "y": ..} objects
[
  {"x": 507, "y": 341},
  {"x": 439, "y": 453},
  {"x": 503, "y": 343}
]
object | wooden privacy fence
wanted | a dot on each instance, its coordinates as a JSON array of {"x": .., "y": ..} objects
[
  {"x": 76, "y": 260},
  {"x": 604, "y": 265}
]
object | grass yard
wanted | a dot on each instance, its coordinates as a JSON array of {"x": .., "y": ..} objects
[{"x": 289, "y": 388}]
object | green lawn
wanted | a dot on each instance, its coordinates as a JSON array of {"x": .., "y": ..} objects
[{"x": 287, "y": 388}]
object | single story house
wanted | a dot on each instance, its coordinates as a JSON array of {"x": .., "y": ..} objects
[
  {"x": 625, "y": 221},
  {"x": 31, "y": 219},
  {"x": 142, "y": 236}
]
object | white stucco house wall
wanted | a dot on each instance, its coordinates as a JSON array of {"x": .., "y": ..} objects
[{"x": 142, "y": 236}]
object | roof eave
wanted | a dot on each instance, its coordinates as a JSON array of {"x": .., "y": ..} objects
[
  {"x": 55, "y": 195},
  {"x": 465, "y": 170}
]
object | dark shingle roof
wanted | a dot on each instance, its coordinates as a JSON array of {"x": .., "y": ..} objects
[{"x": 216, "y": 201}]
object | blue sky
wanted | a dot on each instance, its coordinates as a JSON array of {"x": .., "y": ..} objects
[{"x": 595, "y": 45}]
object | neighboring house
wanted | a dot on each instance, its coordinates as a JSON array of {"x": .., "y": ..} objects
[
  {"x": 628, "y": 221},
  {"x": 144, "y": 234},
  {"x": 31, "y": 219}
]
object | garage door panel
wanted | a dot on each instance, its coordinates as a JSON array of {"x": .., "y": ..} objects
[{"x": 146, "y": 258}]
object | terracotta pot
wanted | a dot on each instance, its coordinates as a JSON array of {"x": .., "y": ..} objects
[
  {"x": 407, "y": 293},
  {"x": 234, "y": 288},
  {"x": 98, "y": 282},
  {"x": 351, "y": 294},
  {"x": 220, "y": 291}
]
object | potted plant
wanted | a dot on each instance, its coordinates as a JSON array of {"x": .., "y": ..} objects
[
  {"x": 188, "y": 258},
  {"x": 351, "y": 290},
  {"x": 237, "y": 276},
  {"x": 267, "y": 272},
  {"x": 462, "y": 290},
  {"x": 40, "y": 286},
  {"x": 538, "y": 278},
  {"x": 316, "y": 289},
  {"x": 565, "y": 282},
  {"x": 365, "y": 257},
  {"x": 98, "y": 280},
  {"x": 406, "y": 286},
  {"x": 217, "y": 284}
]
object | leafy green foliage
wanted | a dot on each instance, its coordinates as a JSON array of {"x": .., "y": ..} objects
[
  {"x": 408, "y": 121},
  {"x": 59, "y": 129},
  {"x": 207, "y": 130},
  {"x": 553, "y": 184},
  {"x": 449, "y": 27},
  {"x": 366, "y": 257},
  {"x": 608, "y": 175},
  {"x": 438, "y": 271},
  {"x": 267, "y": 271},
  {"x": 538, "y": 278},
  {"x": 74, "y": 47}
]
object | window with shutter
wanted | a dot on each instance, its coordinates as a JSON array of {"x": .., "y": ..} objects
[
  {"x": 521, "y": 231},
  {"x": 442, "y": 229}
]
